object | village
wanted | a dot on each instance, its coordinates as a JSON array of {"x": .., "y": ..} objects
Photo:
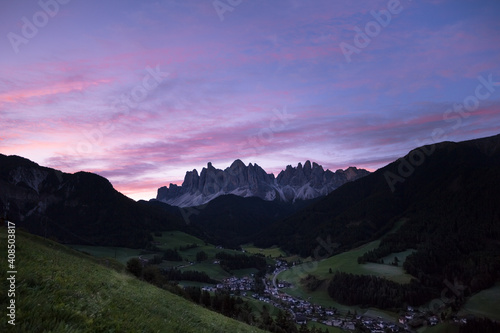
[{"x": 303, "y": 311}]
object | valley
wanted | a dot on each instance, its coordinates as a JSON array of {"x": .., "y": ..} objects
[
  {"x": 284, "y": 288},
  {"x": 365, "y": 258}
]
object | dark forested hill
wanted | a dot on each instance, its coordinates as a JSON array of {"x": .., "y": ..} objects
[
  {"x": 75, "y": 208},
  {"x": 231, "y": 220}
]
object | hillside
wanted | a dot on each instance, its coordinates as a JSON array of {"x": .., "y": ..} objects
[
  {"x": 62, "y": 290},
  {"x": 463, "y": 175},
  {"x": 449, "y": 199}
]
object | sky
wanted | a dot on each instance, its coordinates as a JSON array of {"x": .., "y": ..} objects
[{"x": 142, "y": 91}]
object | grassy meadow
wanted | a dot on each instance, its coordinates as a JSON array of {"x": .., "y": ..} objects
[
  {"x": 273, "y": 252},
  {"x": 485, "y": 303},
  {"x": 440, "y": 328}
]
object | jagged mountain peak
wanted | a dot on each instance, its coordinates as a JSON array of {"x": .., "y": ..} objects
[
  {"x": 303, "y": 182},
  {"x": 238, "y": 164}
]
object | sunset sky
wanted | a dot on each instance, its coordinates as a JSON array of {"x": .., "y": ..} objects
[{"x": 142, "y": 91}]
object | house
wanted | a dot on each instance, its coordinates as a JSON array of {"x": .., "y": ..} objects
[
  {"x": 349, "y": 326},
  {"x": 301, "y": 319},
  {"x": 337, "y": 323},
  {"x": 434, "y": 320}
]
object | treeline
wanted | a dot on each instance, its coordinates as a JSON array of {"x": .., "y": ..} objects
[
  {"x": 369, "y": 290},
  {"x": 188, "y": 247},
  {"x": 171, "y": 255},
  {"x": 241, "y": 261},
  {"x": 177, "y": 275}
]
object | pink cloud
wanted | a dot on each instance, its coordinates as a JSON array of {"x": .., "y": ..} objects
[{"x": 57, "y": 88}]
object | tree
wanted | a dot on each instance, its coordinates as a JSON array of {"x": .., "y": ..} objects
[
  {"x": 396, "y": 261},
  {"x": 205, "y": 298},
  {"x": 134, "y": 266},
  {"x": 156, "y": 260},
  {"x": 171, "y": 255},
  {"x": 201, "y": 256},
  {"x": 303, "y": 329},
  {"x": 152, "y": 275},
  {"x": 266, "y": 319}
]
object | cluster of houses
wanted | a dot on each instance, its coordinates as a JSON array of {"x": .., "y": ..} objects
[
  {"x": 378, "y": 325},
  {"x": 413, "y": 318},
  {"x": 344, "y": 324},
  {"x": 234, "y": 284},
  {"x": 304, "y": 311}
]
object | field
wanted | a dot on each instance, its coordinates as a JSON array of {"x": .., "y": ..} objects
[
  {"x": 400, "y": 255},
  {"x": 176, "y": 239},
  {"x": 322, "y": 327},
  {"x": 486, "y": 303},
  {"x": 172, "y": 240},
  {"x": 63, "y": 290},
  {"x": 273, "y": 252},
  {"x": 440, "y": 328}
]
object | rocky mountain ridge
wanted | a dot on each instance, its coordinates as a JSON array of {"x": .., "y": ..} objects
[{"x": 303, "y": 182}]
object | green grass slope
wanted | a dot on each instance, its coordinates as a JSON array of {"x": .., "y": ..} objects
[
  {"x": 62, "y": 290},
  {"x": 485, "y": 303}
]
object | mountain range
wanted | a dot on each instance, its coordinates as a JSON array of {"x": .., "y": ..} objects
[{"x": 294, "y": 183}]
